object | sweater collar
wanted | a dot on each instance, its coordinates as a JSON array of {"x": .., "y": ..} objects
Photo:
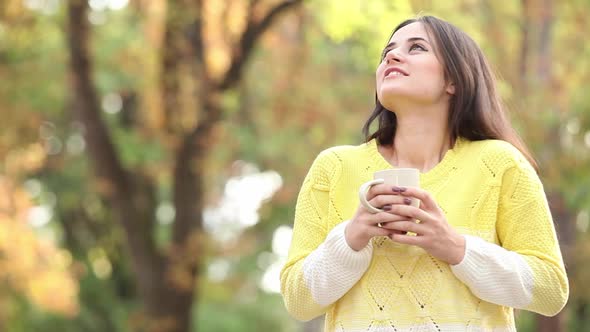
[{"x": 446, "y": 165}]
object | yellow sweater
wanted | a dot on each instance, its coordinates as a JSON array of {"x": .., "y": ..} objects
[{"x": 488, "y": 192}]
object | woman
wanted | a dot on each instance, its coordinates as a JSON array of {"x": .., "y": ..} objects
[{"x": 485, "y": 241}]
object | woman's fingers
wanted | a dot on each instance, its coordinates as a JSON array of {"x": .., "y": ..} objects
[
  {"x": 387, "y": 217},
  {"x": 407, "y": 239},
  {"x": 379, "y": 189},
  {"x": 402, "y": 227},
  {"x": 385, "y": 201},
  {"x": 379, "y": 231},
  {"x": 427, "y": 202},
  {"x": 384, "y": 195},
  {"x": 409, "y": 212}
]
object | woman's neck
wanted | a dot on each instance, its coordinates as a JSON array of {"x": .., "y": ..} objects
[{"x": 420, "y": 142}]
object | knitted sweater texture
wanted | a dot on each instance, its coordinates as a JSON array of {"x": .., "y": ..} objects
[{"x": 489, "y": 193}]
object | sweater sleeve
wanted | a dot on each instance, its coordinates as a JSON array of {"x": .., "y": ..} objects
[
  {"x": 320, "y": 267},
  {"x": 527, "y": 270}
]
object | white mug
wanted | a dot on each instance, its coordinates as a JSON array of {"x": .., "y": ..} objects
[{"x": 400, "y": 177}]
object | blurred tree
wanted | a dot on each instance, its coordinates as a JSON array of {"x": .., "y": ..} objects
[{"x": 203, "y": 56}]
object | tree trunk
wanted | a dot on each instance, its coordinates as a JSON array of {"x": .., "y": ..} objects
[
  {"x": 551, "y": 324},
  {"x": 525, "y": 29},
  {"x": 566, "y": 233},
  {"x": 542, "y": 20},
  {"x": 132, "y": 197},
  {"x": 166, "y": 283}
]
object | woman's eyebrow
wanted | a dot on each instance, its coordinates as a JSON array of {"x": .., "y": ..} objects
[{"x": 411, "y": 39}]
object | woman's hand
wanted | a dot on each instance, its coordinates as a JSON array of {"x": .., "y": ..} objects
[
  {"x": 433, "y": 232},
  {"x": 366, "y": 225}
]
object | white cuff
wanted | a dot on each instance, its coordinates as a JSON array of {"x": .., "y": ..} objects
[
  {"x": 334, "y": 267},
  {"x": 495, "y": 274},
  {"x": 336, "y": 244}
]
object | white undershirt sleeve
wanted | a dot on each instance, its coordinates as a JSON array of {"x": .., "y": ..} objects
[
  {"x": 495, "y": 274},
  {"x": 333, "y": 268}
]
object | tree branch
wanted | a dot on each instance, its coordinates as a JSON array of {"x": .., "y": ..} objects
[
  {"x": 101, "y": 148},
  {"x": 525, "y": 29},
  {"x": 195, "y": 33},
  {"x": 183, "y": 44},
  {"x": 253, "y": 31},
  {"x": 133, "y": 206},
  {"x": 188, "y": 175},
  {"x": 188, "y": 172}
]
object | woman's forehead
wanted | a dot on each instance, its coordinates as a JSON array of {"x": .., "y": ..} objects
[{"x": 412, "y": 30}]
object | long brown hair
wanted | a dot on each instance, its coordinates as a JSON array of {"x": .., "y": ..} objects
[{"x": 476, "y": 111}]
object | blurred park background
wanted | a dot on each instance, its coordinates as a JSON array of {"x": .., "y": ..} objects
[{"x": 151, "y": 151}]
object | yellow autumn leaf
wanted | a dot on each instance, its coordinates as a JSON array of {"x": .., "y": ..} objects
[{"x": 31, "y": 266}]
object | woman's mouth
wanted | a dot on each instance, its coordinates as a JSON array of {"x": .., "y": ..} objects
[{"x": 394, "y": 72}]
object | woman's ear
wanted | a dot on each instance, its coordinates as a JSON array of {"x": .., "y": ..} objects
[{"x": 450, "y": 88}]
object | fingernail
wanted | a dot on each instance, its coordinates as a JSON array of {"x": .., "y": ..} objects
[
  {"x": 398, "y": 189},
  {"x": 407, "y": 201},
  {"x": 386, "y": 207}
]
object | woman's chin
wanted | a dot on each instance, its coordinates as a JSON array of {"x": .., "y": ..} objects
[
  {"x": 390, "y": 100},
  {"x": 393, "y": 93}
]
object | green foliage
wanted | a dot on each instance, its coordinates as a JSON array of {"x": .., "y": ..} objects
[
  {"x": 137, "y": 150},
  {"x": 101, "y": 311},
  {"x": 361, "y": 27},
  {"x": 525, "y": 321},
  {"x": 307, "y": 87},
  {"x": 262, "y": 312}
]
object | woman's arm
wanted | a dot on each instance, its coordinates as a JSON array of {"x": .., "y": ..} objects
[
  {"x": 527, "y": 270},
  {"x": 321, "y": 266}
]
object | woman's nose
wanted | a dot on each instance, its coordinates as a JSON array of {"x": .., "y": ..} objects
[{"x": 393, "y": 56}]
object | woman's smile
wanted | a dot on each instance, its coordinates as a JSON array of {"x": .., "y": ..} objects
[{"x": 394, "y": 72}]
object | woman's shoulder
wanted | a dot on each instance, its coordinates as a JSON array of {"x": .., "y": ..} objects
[
  {"x": 344, "y": 152},
  {"x": 330, "y": 162},
  {"x": 497, "y": 155},
  {"x": 494, "y": 147},
  {"x": 334, "y": 159}
]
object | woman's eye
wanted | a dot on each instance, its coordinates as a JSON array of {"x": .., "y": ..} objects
[{"x": 417, "y": 47}]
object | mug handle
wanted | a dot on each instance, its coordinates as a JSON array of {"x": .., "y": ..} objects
[{"x": 363, "y": 195}]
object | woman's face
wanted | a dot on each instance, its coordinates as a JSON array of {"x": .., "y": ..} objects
[{"x": 410, "y": 72}]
